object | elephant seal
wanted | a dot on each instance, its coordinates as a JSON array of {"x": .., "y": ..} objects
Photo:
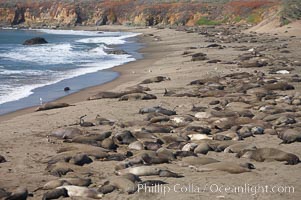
[
  {"x": 124, "y": 137},
  {"x": 19, "y": 194},
  {"x": 109, "y": 143},
  {"x": 105, "y": 189},
  {"x": 52, "y": 105},
  {"x": 66, "y": 133},
  {"x": 236, "y": 148},
  {"x": 140, "y": 171},
  {"x": 229, "y": 167},
  {"x": 106, "y": 95},
  {"x": 60, "y": 169},
  {"x": 269, "y": 154},
  {"x": 189, "y": 147},
  {"x": 138, "y": 89},
  {"x": 290, "y": 136},
  {"x": 157, "y": 109},
  {"x": 148, "y": 159},
  {"x": 202, "y": 148},
  {"x": 77, "y": 191},
  {"x": 55, "y": 194},
  {"x": 103, "y": 121},
  {"x": 65, "y": 181},
  {"x": 4, "y": 193},
  {"x": 92, "y": 138},
  {"x": 81, "y": 159},
  {"x": 137, "y": 145},
  {"x": 2, "y": 159},
  {"x": 196, "y": 161},
  {"x": 156, "y": 79},
  {"x": 199, "y": 136},
  {"x": 165, "y": 153},
  {"x": 124, "y": 184},
  {"x": 137, "y": 96},
  {"x": 219, "y": 146},
  {"x": 167, "y": 173},
  {"x": 279, "y": 86}
]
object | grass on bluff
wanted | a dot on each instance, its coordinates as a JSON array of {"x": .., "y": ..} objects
[
  {"x": 206, "y": 21},
  {"x": 291, "y": 11}
]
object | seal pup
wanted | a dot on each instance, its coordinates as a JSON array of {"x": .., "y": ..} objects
[
  {"x": 229, "y": 167},
  {"x": 78, "y": 191},
  {"x": 269, "y": 154},
  {"x": 20, "y": 193},
  {"x": 52, "y": 105},
  {"x": 55, "y": 194}
]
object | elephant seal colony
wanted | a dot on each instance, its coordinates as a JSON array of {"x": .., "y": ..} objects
[{"x": 222, "y": 106}]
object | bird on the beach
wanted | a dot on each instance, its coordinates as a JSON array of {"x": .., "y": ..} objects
[{"x": 41, "y": 101}]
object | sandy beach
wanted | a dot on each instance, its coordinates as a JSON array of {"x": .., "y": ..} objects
[{"x": 27, "y": 144}]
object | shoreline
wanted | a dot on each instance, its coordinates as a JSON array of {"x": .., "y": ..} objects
[{"x": 123, "y": 71}]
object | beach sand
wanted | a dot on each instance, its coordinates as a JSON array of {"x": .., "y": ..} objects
[{"x": 26, "y": 147}]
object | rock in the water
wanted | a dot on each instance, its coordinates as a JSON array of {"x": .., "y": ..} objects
[
  {"x": 36, "y": 40},
  {"x": 66, "y": 89}
]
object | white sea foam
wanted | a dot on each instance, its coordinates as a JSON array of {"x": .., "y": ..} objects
[
  {"x": 9, "y": 28},
  {"x": 23, "y": 72},
  {"x": 87, "y": 60},
  {"x": 13, "y": 93},
  {"x": 52, "y": 54},
  {"x": 81, "y": 33},
  {"x": 107, "y": 40}
]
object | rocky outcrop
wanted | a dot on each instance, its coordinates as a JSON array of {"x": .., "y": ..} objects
[
  {"x": 47, "y": 13},
  {"x": 34, "y": 41}
]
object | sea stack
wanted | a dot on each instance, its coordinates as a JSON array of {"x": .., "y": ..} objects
[{"x": 34, "y": 41}]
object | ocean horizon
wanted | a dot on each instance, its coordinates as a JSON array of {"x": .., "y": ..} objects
[{"x": 31, "y": 75}]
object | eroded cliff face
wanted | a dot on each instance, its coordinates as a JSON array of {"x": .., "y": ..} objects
[{"x": 139, "y": 12}]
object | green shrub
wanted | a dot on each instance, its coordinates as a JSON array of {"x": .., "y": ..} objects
[{"x": 206, "y": 21}]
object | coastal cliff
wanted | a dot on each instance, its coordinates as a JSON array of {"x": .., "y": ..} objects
[{"x": 128, "y": 12}]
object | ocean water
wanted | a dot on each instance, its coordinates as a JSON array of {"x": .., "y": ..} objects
[{"x": 76, "y": 59}]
